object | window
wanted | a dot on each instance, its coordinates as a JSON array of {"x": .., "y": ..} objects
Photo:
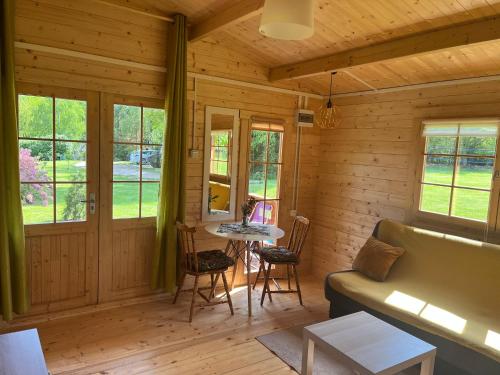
[
  {"x": 137, "y": 154},
  {"x": 52, "y": 159},
  {"x": 458, "y": 165},
  {"x": 220, "y": 151},
  {"x": 264, "y": 168}
]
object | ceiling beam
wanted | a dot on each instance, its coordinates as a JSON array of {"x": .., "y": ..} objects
[
  {"x": 485, "y": 30},
  {"x": 235, "y": 13},
  {"x": 125, "y": 5}
]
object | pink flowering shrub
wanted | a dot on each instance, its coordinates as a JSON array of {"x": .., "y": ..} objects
[{"x": 30, "y": 171}]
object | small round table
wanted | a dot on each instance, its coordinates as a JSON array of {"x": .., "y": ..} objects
[{"x": 274, "y": 234}]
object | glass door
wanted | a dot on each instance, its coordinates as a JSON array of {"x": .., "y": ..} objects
[
  {"x": 131, "y": 154},
  {"x": 58, "y": 161}
]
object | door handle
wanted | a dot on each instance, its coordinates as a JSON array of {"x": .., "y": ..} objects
[{"x": 91, "y": 203}]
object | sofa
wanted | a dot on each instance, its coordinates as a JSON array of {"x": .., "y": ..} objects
[{"x": 444, "y": 289}]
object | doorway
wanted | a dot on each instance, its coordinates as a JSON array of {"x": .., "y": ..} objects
[{"x": 89, "y": 166}]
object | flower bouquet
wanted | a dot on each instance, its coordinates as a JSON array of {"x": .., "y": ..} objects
[{"x": 247, "y": 209}]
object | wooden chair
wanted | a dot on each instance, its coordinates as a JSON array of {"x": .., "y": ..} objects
[
  {"x": 211, "y": 262},
  {"x": 280, "y": 255}
]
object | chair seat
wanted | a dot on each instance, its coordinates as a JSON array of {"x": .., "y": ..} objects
[
  {"x": 213, "y": 260},
  {"x": 277, "y": 254}
]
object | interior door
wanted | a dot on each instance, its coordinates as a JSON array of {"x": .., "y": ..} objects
[
  {"x": 59, "y": 145},
  {"x": 131, "y": 150}
]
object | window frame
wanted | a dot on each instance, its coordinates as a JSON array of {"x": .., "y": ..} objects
[
  {"x": 272, "y": 126},
  {"x": 54, "y": 93},
  {"x": 142, "y": 104},
  {"x": 440, "y": 220},
  {"x": 229, "y": 149}
]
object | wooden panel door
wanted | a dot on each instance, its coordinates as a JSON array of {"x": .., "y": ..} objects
[
  {"x": 59, "y": 138},
  {"x": 131, "y": 149}
]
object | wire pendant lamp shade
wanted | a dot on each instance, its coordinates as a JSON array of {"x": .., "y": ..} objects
[{"x": 328, "y": 113}]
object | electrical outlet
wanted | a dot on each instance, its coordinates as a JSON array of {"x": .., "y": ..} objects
[
  {"x": 194, "y": 153},
  {"x": 293, "y": 213}
]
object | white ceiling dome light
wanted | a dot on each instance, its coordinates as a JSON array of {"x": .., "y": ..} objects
[{"x": 288, "y": 19}]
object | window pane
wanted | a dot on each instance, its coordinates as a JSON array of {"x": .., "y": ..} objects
[
  {"x": 213, "y": 167},
  {"x": 272, "y": 183},
  {"x": 256, "y": 180},
  {"x": 151, "y": 167},
  {"x": 470, "y": 204},
  {"x": 149, "y": 199},
  {"x": 474, "y": 172},
  {"x": 258, "y": 145},
  {"x": 477, "y": 146},
  {"x": 69, "y": 203},
  {"x": 265, "y": 212},
  {"x": 71, "y": 163},
  {"x": 126, "y": 162},
  {"x": 275, "y": 147},
  {"x": 439, "y": 169},
  {"x": 127, "y": 123},
  {"x": 38, "y": 203},
  {"x": 154, "y": 125},
  {"x": 35, "y": 161},
  {"x": 35, "y": 116},
  {"x": 125, "y": 200},
  {"x": 71, "y": 119},
  {"x": 440, "y": 145},
  {"x": 435, "y": 199}
]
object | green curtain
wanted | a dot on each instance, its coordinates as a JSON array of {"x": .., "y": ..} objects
[
  {"x": 171, "y": 200},
  {"x": 13, "y": 285}
]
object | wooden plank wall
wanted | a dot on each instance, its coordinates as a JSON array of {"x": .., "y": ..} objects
[
  {"x": 110, "y": 32},
  {"x": 368, "y": 163},
  {"x": 259, "y": 103}
]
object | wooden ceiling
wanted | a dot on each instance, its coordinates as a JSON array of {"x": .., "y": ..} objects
[{"x": 342, "y": 25}]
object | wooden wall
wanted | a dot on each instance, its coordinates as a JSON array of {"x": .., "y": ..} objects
[
  {"x": 259, "y": 103},
  {"x": 368, "y": 163},
  {"x": 113, "y": 33}
]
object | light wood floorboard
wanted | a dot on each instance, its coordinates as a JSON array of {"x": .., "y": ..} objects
[{"x": 155, "y": 337}]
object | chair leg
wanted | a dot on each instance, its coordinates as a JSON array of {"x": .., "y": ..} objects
[
  {"x": 268, "y": 279},
  {"x": 298, "y": 284},
  {"x": 266, "y": 284},
  {"x": 235, "y": 267},
  {"x": 257, "y": 277},
  {"x": 195, "y": 290},
  {"x": 228, "y": 296},
  {"x": 288, "y": 275},
  {"x": 179, "y": 288},
  {"x": 214, "y": 285}
]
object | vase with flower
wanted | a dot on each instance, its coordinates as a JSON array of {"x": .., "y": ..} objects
[{"x": 247, "y": 209}]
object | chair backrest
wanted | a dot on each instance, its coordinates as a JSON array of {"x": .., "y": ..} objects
[
  {"x": 185, "y": 238},
  {"x": 298, "y": 235}
]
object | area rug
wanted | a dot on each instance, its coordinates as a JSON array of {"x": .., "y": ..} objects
[{"x": 287, "y": 345}]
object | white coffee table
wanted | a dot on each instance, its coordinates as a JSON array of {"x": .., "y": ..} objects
[{"x": 367, "y": 345}]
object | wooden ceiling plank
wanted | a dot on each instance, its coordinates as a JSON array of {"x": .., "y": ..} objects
[
  {"x": 238, "y": 12},
  {"x": 124, "y": 5},
  {"x": 435, "y": 40}
]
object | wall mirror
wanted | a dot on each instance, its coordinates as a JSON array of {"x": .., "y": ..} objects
[{"x": 220, "y": 165}]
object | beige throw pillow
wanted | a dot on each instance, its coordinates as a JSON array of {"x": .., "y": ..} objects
[{"x": 376, "y": 258}]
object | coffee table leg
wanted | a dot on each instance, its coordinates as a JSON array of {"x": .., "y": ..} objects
[
  {"x": 248, "y": 280},
  {"x": 427, "y": 366},
  {"x": 307, "y": 356}
]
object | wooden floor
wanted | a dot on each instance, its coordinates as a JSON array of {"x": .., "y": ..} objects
[{"x": 155, "y": 338}]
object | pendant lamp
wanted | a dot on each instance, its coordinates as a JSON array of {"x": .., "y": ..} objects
[
  {"x": 327, "y": 113},
  {"x": 287, "y": 19}
]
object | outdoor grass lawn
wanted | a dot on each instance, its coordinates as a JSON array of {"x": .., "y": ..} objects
[
  {"x": 125, "y": 195},
  {"x": 471, "y": 204}
]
